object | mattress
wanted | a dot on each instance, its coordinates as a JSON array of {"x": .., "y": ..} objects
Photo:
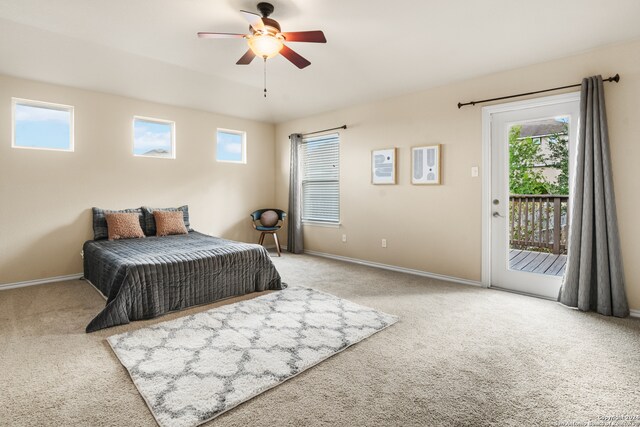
[{"x": 149, "y": 277}]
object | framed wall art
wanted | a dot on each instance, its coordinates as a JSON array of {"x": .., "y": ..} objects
[
  {"x": 383, "y": 166},
  {"x": 425, "y": 164}
]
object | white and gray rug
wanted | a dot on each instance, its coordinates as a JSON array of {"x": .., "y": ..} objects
[{"x": 192, "y": 369}]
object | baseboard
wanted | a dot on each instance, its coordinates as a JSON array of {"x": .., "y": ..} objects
[
  {"x": 396, "y": 268},
  {"x": 40, "y": 281},
  {"x": 632, "y": 313}
]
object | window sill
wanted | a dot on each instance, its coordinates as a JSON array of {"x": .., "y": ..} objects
[
  {"x": 321, "y": 224},
  {"x": 237, "y": 162}
]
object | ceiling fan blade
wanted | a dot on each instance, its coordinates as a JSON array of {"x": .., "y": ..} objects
[
  {"x": 246, "y": 58},
  {"x": 295, "y": 58},
  {"x": 253, "y": 19},
  {"x": 203, "y": 35},
  {"x": 305, "y": 36}
]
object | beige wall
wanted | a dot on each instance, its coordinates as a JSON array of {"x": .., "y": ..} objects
[
  {"x": 438, "y": 228},
  {"x": 46, "y": 196}
]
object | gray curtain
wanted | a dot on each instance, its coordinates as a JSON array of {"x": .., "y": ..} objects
[
  {"x": 594, "y": 279},
  {"x": 294, "y": 238}
]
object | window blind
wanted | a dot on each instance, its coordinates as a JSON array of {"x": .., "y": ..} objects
[{"x": 320, "y": 167}]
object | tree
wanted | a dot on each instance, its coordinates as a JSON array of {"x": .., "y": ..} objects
[
  {"x": 524, "y": 156},
  {"x": 558, "y": 158}
]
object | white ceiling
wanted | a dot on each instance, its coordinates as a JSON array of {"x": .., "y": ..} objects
[{"x": 148, "y": 49}]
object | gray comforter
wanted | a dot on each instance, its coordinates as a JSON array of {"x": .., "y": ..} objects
[{"x": 145, "y": 278}]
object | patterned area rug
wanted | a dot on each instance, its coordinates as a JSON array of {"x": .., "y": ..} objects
[{"x": 192, "y": 369}]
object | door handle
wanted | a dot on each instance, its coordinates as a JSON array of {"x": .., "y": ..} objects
[{"x": 496, "y": 214}]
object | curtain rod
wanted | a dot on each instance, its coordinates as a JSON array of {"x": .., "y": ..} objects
[
  {"x": 323, "y": 130},
  {"x": 615, "y": 78}
]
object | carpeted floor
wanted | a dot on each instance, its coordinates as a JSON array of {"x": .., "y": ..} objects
[{"x": 459, "y": 355}]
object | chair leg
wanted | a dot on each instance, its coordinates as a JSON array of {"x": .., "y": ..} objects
[
  {"x": 261, "y": 238},
  {"x": 275, "y": 237}
]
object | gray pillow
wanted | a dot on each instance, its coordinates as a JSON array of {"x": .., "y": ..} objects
[
  {"x": 100, "y": 222},
  {"x": 150, "y": 222}
]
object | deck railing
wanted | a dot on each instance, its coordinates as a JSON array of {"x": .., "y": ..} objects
[{"x": 539, "y": 222}]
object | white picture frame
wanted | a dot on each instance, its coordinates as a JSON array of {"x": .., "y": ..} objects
[
  {"x": 426, "y": 165},
  {"x": 383, "y": 166}
]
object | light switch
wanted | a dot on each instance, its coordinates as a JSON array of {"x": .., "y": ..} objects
[{"x": 474, "y": 171}]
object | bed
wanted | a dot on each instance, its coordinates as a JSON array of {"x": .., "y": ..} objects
[{"x": 146, "y": 278}]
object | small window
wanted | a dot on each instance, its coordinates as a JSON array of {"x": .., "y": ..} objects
[
  {"x": 320, "y": 172},
  {"x": 42, "y": 125},
  {"x": 231, "y": 146},
  {"x": 154, "y": 138}
]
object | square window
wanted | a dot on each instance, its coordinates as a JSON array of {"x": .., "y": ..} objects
[
  {"x": 153, "y": 138},
  {"x": 231, "y": 146},
  {"x": 42, "y": 125}
]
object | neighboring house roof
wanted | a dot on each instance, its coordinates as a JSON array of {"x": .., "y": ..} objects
[{"x": 541, "y": 128}]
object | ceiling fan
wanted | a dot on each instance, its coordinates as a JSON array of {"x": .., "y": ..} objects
[{"x": 266, "y": 39}]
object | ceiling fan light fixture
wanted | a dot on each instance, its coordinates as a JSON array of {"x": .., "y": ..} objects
[
  {"x": 266, "y": 39},
  {"x": 265, "y": 45}
]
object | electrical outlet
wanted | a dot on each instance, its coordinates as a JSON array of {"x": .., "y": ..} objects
[
  {"x": 384, "y": 243},
  {"x": 344, "y": 238},
  {"x": 474, "y": 171}
]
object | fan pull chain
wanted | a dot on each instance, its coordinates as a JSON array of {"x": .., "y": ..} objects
[{"x": 265, "y": 77}]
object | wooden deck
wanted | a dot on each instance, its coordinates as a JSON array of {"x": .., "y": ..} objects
[{"x": 537, "y": 262}]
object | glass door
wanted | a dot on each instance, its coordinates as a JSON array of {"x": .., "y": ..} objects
[{"x": 531, "y": 152}]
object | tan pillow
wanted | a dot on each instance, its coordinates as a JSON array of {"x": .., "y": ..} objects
[
  {"x": 269, "y": 218},
  {"x": 123, "y": 226},
  {"x": 169, "y": 222}
]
